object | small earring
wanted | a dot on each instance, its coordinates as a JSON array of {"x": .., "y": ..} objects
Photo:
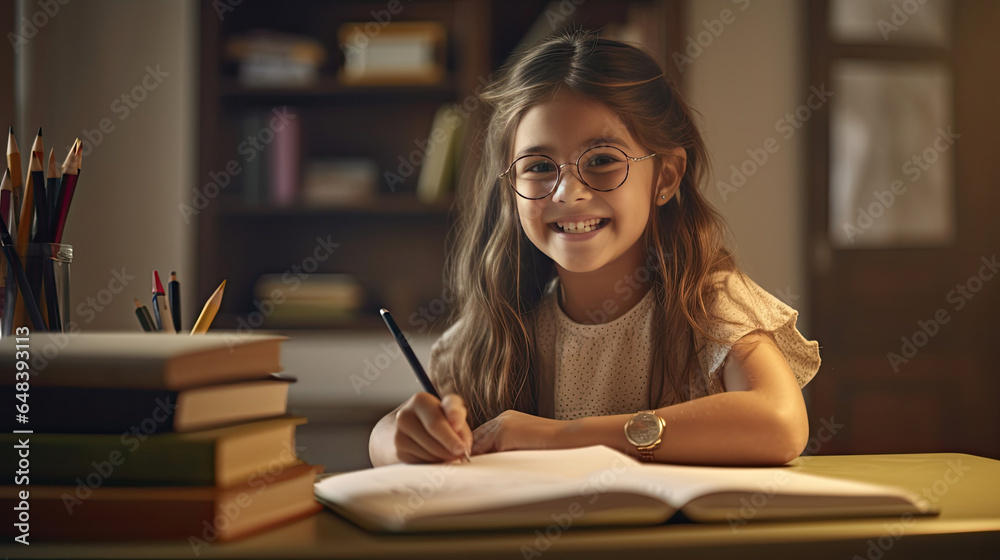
[{"x": 663, "y": 196}]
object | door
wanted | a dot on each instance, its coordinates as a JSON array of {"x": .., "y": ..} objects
[{"x": 909, "y": 330}]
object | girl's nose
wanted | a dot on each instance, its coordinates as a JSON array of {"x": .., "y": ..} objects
[{"x": 570, "y": 187}]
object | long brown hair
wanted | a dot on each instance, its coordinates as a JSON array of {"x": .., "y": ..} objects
[{"x": 499, "y": 277}]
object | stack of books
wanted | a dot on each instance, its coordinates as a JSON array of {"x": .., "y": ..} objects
[
  {"x": 272, "y": 59},
  {"x": 132, "y": 436},
  {"x": 317, "y": 301}
]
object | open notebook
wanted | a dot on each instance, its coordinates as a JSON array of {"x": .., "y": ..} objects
[{"x": 592, "y": 486}]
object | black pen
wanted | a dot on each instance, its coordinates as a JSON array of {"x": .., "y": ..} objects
[{"x": 404, "y": 345}]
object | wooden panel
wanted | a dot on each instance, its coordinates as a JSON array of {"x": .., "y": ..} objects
[{"x": 871, "y": 304}]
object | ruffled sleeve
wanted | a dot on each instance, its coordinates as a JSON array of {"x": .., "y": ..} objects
[{"x": 744, "y": 307}]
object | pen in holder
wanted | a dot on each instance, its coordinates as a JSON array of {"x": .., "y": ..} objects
[{"x": 48, "y": 273}]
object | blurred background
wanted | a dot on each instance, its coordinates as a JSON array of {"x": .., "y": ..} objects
[{"x": 308, "y": 152}]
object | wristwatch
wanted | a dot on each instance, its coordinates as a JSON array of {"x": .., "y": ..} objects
[{"x": 645, "y": 432}]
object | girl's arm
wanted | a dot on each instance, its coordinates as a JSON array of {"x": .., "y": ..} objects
[
  {"x": 759, "y": 420},
  {"x": 421, "y": 430}
]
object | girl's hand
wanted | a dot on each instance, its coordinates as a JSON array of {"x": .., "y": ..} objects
[
  {"x": 516, "y": 430},
  {"x": 429, "y": 430}
]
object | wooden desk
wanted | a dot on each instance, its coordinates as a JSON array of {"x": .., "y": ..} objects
[{"x": 966, "y": 488}]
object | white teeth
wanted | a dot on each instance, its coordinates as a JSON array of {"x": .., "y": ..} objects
[{"x": 584, "y": 226}]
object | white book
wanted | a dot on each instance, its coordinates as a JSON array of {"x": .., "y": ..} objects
[{"x": 593, "y": 486}]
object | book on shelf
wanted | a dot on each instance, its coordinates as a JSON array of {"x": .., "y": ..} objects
[
  {"x": 254, "y": 162},
  {"x": 591, "y": 486},
  {"x": 339, "y": 180},
  {"x": 111, "y": 410},
  {"x": 401, "y": 53},
  {"x": 440, "y": 168},
  {"x": 199, "y": 515},
  {"x": 283, "y": 160},
  {"x": 139, "y": 360},
  {"x": 272, "y": 59},
  {"x": 317, "y": 300}
]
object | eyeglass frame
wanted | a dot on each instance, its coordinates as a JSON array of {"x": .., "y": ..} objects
[{"x": 579, "y": 174}]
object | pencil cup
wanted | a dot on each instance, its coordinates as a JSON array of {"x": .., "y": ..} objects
[{"x": 48, "y": 270}]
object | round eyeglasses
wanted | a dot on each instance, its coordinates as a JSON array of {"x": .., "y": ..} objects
[{"x": 601, "y": 168}]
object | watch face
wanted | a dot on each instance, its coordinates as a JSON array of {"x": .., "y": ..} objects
[{"x": 644, "y": 429}]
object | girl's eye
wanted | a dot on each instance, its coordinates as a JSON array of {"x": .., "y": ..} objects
[
  {"x": 603, "y": 160},
  {"x": 539, "y": 166}
]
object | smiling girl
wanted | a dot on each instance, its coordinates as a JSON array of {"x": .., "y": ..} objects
[{"x": 596, "y": 302}]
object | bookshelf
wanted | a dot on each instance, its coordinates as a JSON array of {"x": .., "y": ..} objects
[{"x": 391, "y": 242}]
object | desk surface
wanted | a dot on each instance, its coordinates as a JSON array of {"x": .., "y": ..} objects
[{"x": 965, "y": 488}]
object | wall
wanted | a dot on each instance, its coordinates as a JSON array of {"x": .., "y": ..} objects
[
  {"x": 72, "y": 76},
  {"x": 747, "y": 79}
]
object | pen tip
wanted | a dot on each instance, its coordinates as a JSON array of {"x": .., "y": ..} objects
[
  {"x": 10, "y": 130},
  {"x": 39, "y": 131}
]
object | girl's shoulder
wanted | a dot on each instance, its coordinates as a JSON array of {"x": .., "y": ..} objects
[{"x": 738, "y": 306}]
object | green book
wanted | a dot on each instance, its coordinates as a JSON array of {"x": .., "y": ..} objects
[{"x": 222, "y": 457}]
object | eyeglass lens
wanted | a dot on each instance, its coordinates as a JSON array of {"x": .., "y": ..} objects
[{"x": 603, "y": 168}]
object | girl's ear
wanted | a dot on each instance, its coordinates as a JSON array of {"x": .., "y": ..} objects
[{"x": 671, "y": 172}]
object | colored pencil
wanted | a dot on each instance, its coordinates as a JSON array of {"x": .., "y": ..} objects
[
  {"x": 174, "y": 294},
  {"x": 14, "y": 262},
  {"x": 67, "y": 186},
  {"x": 142, "y": 313},
  {"x": 41, "y": 199},
  {"x": 209, "y": 311},
  {"x": 26, "y": 208},
  {"x": 17, "y": 187},
  {"x": 24, "y": 226},
  {"x": 41, "y": 268},
  {"x": 52, "y": 188},
  {"x": 8, "y": 288},
  {"x": 6, "y": 192}
]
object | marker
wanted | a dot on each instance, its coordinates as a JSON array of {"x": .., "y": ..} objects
[{"x": 175, "y": 300}]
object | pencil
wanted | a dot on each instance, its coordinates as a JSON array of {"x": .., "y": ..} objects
[
  {"x": 17, "y": 187},
  {"x": 67, "y": 186},
  {"x": 418, "y": 369},
  {"x": 26, "y": 209},
  {"x": 52, "y": 187},
  {"x": 142, "y": 313},
  {"x": 209, "y": 311},
  {"x": 41, "y": 199},
  {"x": 9, "y": 297},
  {"x": 24, "y": 227},
  {"x": 6, "y": 192},
  {"x": 174, "y": 294},
  {"x": 14, "y": 262},
  {"x": 41, "y": 268},
  {"x": 164, "y": 321}
]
